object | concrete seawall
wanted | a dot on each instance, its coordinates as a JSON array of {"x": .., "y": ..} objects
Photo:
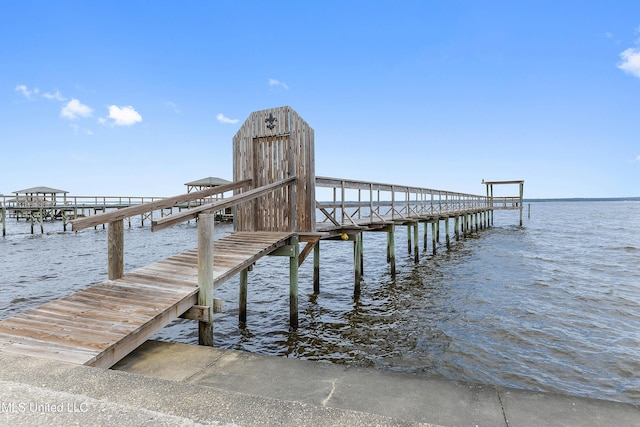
[{"x": 177, "y": 384}]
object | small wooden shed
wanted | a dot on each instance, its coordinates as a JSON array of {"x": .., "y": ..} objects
[{"x": 270, "y": 146}]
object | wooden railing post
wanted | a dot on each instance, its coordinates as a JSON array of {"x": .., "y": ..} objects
[
  {"x": 205, "y": 275},
  {"x": 292, "y": 206},
  {"x": 115, "y": 249}
]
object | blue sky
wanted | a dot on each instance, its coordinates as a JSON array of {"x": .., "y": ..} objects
[{"x": 140, "y": 97}]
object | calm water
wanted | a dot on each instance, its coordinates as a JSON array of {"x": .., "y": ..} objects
[{"x": 553, "y": 305}]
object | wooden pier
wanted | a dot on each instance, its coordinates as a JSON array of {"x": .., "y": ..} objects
[
  {"x": 275, "y": 192},
  {"x": 38, "y": 205}
]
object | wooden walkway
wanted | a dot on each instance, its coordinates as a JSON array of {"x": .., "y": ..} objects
[
  {"x": 100, "y": 325},
  {"x": 275, "y": 208}
]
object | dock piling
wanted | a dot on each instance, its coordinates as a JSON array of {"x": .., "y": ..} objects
[
  {"x": 433, "y": 236},
  {"x": 416, "y": 251},
  {"x": 391, "y": 250},
  {"x": 316, "y": 268},
  {"x": 293, "y": 282},
  {"x": 205, "y": 275},
  {"x": 242, "y": 305},
  {"x": 446, "y": 229}
]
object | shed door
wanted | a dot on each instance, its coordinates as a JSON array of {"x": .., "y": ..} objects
[{"x": 272, "y": 162}]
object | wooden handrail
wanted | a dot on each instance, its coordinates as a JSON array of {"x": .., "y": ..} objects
[
  {"x": 92, "y": 221},
  {"x": 179, "y": 217},
  {"x": 351, "y": 184},
  {"x": 403, "y": 202}
]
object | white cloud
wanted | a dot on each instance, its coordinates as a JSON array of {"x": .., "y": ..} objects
[
  {"x": 276, "y": 83},
  {"x": 638, "y": 158},
  {"x": 122, "y": 116},
  {"x": 25, "y": 91},
  {"x": 172, "y": 106},
  {"x": 56, "y": 96},
  {"x": 223, "y": 119},
  {"x": 630, "y": 61},
  {"x": 74, "y": 109}
]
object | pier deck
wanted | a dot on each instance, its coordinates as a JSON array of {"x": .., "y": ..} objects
[
  {"x": 275, "y": 206},
  {"x": 101, "y": 324}
]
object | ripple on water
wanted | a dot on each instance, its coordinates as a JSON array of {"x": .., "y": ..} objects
[{"x": 553, "y": 305}]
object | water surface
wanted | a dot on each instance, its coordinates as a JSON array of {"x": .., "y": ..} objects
[{"x": 553, "y": 305}]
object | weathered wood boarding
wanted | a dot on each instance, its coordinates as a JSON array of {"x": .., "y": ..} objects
[
  {"x": 100, "y": 325},
  {"x": 270, "y": 146}
]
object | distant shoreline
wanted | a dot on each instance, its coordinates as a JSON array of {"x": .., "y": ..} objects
[{"x": 587, "y": 199}]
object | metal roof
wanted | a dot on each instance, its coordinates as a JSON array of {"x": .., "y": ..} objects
[
  {"x": 40, "y": 190},
  {"x": 502, "y": 182},
  {"x": 211, "y": 181}
]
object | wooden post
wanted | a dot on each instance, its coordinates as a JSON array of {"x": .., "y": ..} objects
[
  {"x": 446, "y": 229},
  {"x": 242, "y": 306},
  {"x": 438, "y": 230},
  {"x": 433, "y": 237},
  {"x": 357, "y": 263},
  {"x": 205, "y": 275},
  {"x": 41, "y": 219},
  {"x": 416, "y": 242},
  {"x": 293, "y": 282},
  {"x": 465, "y": 225},
  {"x": 115, "y": 249},
  {"x": 316, "y": 268},
  {"x": 409, "y": 237},
  {"x": 456, "y": 227},
  {"x": 4, "y": 221},
  {"x": 425, "y": 237},
  {"x": 361, "y": 254},
  {"x": 391, "y": 250},
  {"x": 521, "y": 201}
]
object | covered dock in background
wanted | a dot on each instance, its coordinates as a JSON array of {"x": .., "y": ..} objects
[{"x": 207, "y": 183}]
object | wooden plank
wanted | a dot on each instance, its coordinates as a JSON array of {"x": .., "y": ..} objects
[
  {"x": 34, "y": 347},
  {"x": 130, "y": 342},
  {"x": 92, "y": 221},
  {"x": 101, "y": 324}
]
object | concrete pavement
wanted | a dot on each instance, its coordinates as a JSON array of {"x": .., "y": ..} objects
[{"x": 172, "y": 384}]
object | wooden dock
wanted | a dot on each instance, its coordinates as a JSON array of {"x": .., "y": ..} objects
[
  {"x": 99, "y": 325},
  {"x": 275, "y": 208}
]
